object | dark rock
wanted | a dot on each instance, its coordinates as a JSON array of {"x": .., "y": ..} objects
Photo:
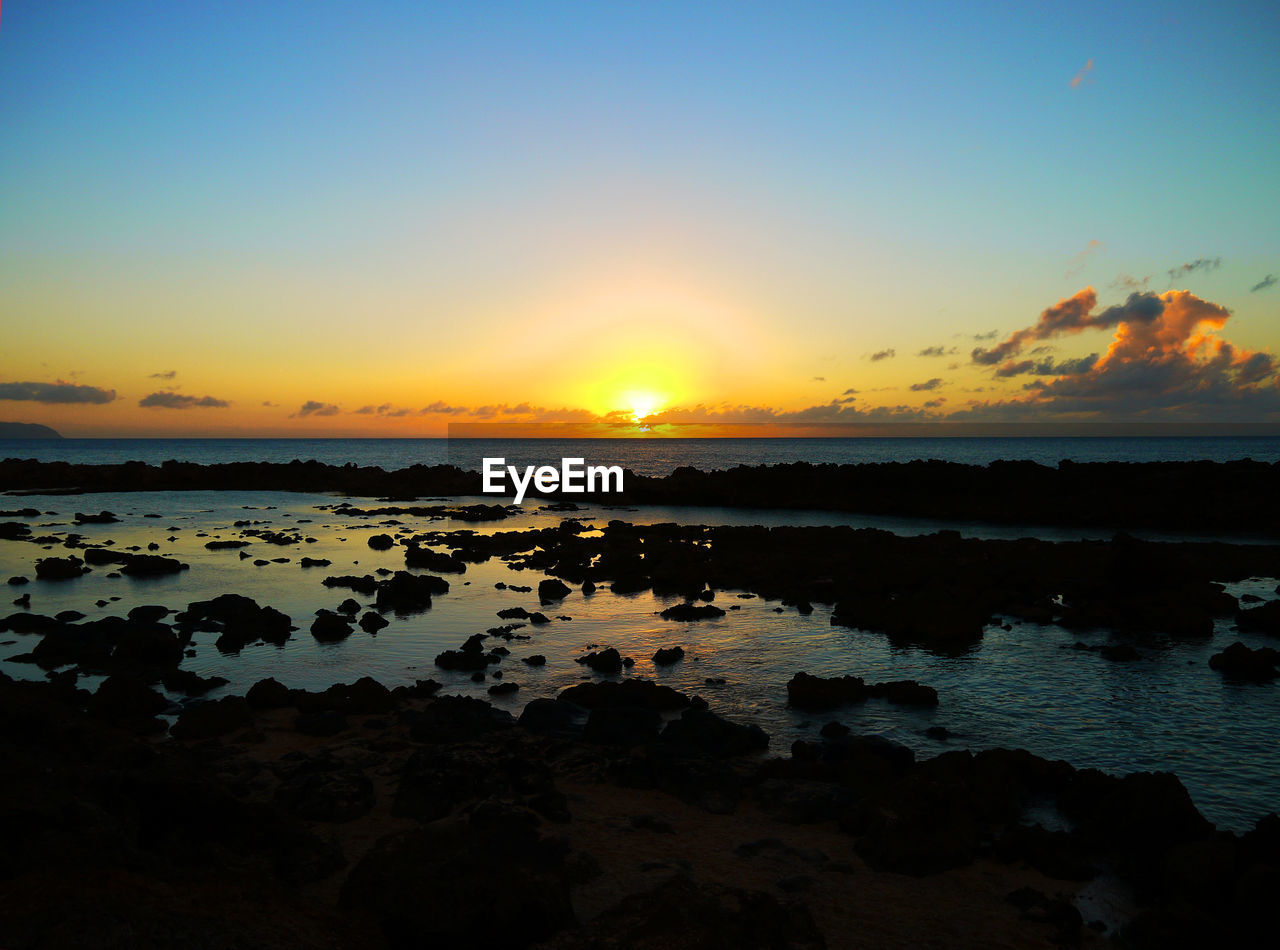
[
  {"x": 427, "y": 889},
  {"x": 691, "y": 612},
  {"x": 666, "y": 656},
  {"x": 213, "y": 718},
  {"x": 60, "y": 568},
  {"x": 551, "y": 717},
  {"x": 1240, "y": 662},
  {"x": 268, "y": 694},
  {"x": 608, "y": 662},
  {"x": 622, "y": 725},
  {"x": 536, "y": 659},
  {"x": 330, "y": 627},
  {"x": 323, "y": 722},
  {"x": 628, "y": 692},
  {"x": 321, "y": 793},
  {"x": 381, "y": 542},
  {"x": 372, "y": 622},
  {"x": 415, "y": 556},
  {"x": 704, "y": 731},
  {"x": 552, "y": 590}
]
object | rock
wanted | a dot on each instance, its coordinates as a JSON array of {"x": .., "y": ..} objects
[
  {"x": 537, "y": 659},
  {"x": 126, "y": 697},
  {"x": 552, "y": 590},
  {"x": 550, "y": 717},
  {"x": 185, "y": 681},
  {"x": 622, "y": 725},
  {"x": 149, "y": 613},
  {"x": 314, "y": 562},
  {"x": 680, "y": 913},
  {"x": 60, "y": 568},
  {"x": 405, "y": 592},
  {"x": 608, "y": 662},
  {"x": 628, "y": 692},
  {"x": 268, "y": 694},
  {"x": 381, "y": 542},
  {"x": 330, "y": 627},
  {"x": 503, "y": 689},
  {"x": 366, "y": 584},
  {"x": 320, "y": 792},
  {"x": 213, "y": 718},
  {"x": 470, "y": 658},
  {"x": 1265, "y": 619},
  {"x": 1240, "y": 662},
  {"x": 323, "y": 722},
  {"x": 458, "y": 719},
  {"x": 239, "y": 619},
  {"x": 372, "y": 622},
  {"x": 805, "y": 691},
  {"x": 666, "y": 656},
  {"x": 426, "y": 888},
  {"x": 691, "y": 612},
  {"x": 102, "y": 517},
  {"x": 415, "y": 556},
  {"x": 704, "y": 731}
]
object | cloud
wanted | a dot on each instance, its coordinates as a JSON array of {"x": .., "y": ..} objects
[
  {"x": 983, "y": 337},
  {"x": 313, "y": 408},
  {"x": 1131, "y": 283},
  {"x": 936, "y": 351},
  {"x": 1165, "y": 361},
  {"x": 1080, "y": 77},
  {"x": 1263, "y": 284},
  {"x": 442, "y": 409},
  {"x": 1200, "y": 263},
  {"x": 927, "y": 386},
  {"x": 167, "y": 374},
  {"x": 386, "y": 409},
  {"x": 168, "y": 400},
  {"x": 1074, "y": 314},
  {"x": 1047, "y": 367},
  {"x": 882, "y": 355},
  {"x": 819, "y": 379},
  {"x": 849, "y": 392},
  {"x": 270, "y": 404},
  {"x": 1077, "y": 263},
  {"x": 59, "y": 392}
]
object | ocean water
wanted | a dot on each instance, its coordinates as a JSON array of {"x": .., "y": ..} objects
[
  {"x": 649, "y": 456},
  {"x": 1023, "y": 688}
]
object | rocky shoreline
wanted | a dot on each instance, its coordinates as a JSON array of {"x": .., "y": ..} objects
[
  {"x": 369, "y": 817},
  {"x": 1239, "y": 497},
  {"x": 622, "y": 813}
]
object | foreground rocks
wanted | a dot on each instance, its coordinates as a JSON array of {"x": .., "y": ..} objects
[{"x": 414, "y": 821}]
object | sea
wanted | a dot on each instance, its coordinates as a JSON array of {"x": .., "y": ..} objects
[{"x": 1026, "y": 687}]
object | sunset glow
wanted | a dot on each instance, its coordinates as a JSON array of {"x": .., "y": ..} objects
[{"x": 577, "y": 214}]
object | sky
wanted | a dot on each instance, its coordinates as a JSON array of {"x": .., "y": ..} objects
[{"x": 382, "y": 218}]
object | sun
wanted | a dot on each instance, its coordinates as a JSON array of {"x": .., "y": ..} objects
[{"x": 642, "y": 404}]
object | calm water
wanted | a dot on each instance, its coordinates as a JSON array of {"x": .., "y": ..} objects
[
  {"x": 1023, "y": 687},
  {"x": 645, "y": 456}
]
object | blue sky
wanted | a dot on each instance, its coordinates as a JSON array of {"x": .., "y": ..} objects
[{"x": 837, "y": 179}]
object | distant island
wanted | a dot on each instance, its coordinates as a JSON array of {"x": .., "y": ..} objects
[{"x": 26, "y": 430}]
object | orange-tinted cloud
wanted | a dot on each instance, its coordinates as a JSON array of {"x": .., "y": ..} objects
[
  {"x": 170, "y": 400},
  {"x": 1079, "y": 77},
  {"x": 1164, "y": 359},
  {"x": 59, "y": 392}
]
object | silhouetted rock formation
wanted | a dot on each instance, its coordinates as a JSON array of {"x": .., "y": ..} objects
[{"x": 1241, "y": 496}]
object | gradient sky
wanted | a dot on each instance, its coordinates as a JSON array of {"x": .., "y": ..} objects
[{"x": 456, "y": 212}]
